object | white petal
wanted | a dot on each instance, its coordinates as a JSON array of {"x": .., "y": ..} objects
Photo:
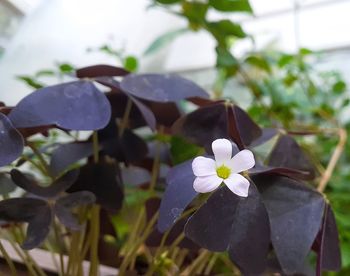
[
  {"x": 242, "y": 161},
  {"x": 238, "y": 184},
  {"x": 206, "y": 184},
  {"x": 222, "y": 149},
  {"x": 203, "y": 166}
]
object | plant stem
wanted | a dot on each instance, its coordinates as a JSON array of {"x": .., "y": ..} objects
[
  {"x": 8, "y": 260},
  {"x": 192, "y": 268},
  {"x": 96, "y": 147},
  {"x": 58, "y": 240},
  {"x": 125, "y": 119},
  {"x": 137, "y": 244},
  {"x": 156, "y": 162},
  {"x": 334, "y": 159},
  {"x": 41, "y": 158},
  {"x": 95, "y": 236}
]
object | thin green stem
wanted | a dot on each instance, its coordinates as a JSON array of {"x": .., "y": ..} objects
[
  {"x": 125, "y": 118},
  {"x": 41, "y": 158},
  {"x": 40, "y": 168},
  {"x": 95, "y": 235},
  {"x": 58, "y": 240},
  {"x": 137, "y": 244}
]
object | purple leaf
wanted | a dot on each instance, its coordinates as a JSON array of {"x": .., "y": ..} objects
[
  {"x": 204, "y": 125},
  {"x": 239, "y": 225},
  {"x": 243, "y": 130},
  {"x": 127, "y": 148},
  {"x": 66, "y": 155},
  {"x": 295, "y": 213},
  {"x": 76, "y": 105},
  {"x": 267, "y": 134},
  {"x": 142, "y": 108},
  {"x": 328, "y": 251},
  {"x": 58, "y": 186},
  {"x": 267, "y": 170},
  {"x": 103, "y": 180},
  {"x": 210, "y": 226},
  {"x": 64, "y": 205},
  {"x": 101, "y": 70},
  {"x": 11, "y": 141},
  {"x": 135, "y": 176},
  {"x": 161, "y": 88},
  {"x": 287, "y": 153},
  {"x": 36, "y": 212},
  {"x": 178, "y": 194}
]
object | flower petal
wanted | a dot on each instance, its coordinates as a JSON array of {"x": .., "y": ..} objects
[
  {"x": 238, "y": 184},
  {"x": 222, "y": 149},
  {"x": 242, "y": 161},
  {"x": 203, "y": 166},
  {"x": 206, "y": 184}
]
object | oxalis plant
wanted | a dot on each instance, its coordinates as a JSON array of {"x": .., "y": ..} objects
[{"x": 155, "y": 190}]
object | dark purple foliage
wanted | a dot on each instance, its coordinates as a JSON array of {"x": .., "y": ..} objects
[
  {"x": 11, "y": 141},
  {"x": 161, "y": 88},
  {"x": 76, "y": 105}
]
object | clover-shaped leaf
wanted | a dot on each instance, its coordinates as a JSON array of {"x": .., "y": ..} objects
[
  {"x": 58, "y": 186},
  {"x": 269, "y": 170},
  {"x": 178, "y": 194},
  {"x": 218, "y": 120},
  {"x": 239, "y": 225},
  {"x": 135, "y": 176},
  {"x": 64, "y": 205},
  {"x": 75, "y": 105},
  {"x": 295, "y": 213},
  {"x": 266, "y": 135},
  {"x": 11, "y": 141},
  {"x": 287, "y": 153},
  {"x": 164, "y": 113},
  {"x": 119, "y": 102},
  {"x": 204, "y": 125},
  {"x": 65, "y": 155},
  {"x": 36, "y": 212},
  {"x": 104, "y": 181},
  {"x": 242, "y": 128},
  {"x": 128, "y": 147},
  {"x": 155, "y": 238},
  {"x": 327, "y": 244},
  {"x": 161, "y": 88}
]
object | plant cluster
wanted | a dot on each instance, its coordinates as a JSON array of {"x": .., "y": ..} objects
[{"x": 134, "y": 168}]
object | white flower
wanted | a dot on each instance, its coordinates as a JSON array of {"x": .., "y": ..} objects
[{"x": 225, "y": 168}]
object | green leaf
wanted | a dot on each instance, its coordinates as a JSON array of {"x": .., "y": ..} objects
[
  {"x": 131, "y": 63},
  {"x": 259, "y": 62},
  {"x": 290, "y": 79},
  {"x": 345, "y": 250},
  {"x": 285, "y": 60},
  {"x": 305, "y": 52},
  {"x": 168, "y": 2},
  {"x": 231, "y": 5},
  {"x": 224, "y": 28},
  {"x": 225, "y": 58},
  {"x": 195, "y": 12},
  {"x": 109, "y": 51},
  {"x": 164, "y": 40},
  {"x": 181, "y": 150},
  {"x": 31, "y": 82},
  {"x": 42, "y": 73},
  {"x": 339, "y": 87},
  {"x": 66, "y": 68}
]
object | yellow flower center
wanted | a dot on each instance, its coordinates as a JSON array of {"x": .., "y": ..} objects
[{"x": 223, "y": 171}]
